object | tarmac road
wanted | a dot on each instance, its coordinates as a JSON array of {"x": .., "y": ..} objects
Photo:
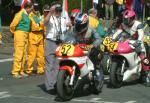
[{"x": 32, "y": 89}]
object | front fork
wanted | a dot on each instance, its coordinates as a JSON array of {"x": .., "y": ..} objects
[
  {"x": 123, "y": 67},
  {"x": 72, "y": 76}
]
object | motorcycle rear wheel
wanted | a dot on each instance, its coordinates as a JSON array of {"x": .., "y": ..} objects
[
  {"x": 116, "y": 79},
  {"x": 64, "y": 90}
]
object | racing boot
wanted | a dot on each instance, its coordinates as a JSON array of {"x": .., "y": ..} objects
[
  {"x": 147, "y": 78},
  {"x": 146, "y": 69},
  {"x": 145, "y": 62}
]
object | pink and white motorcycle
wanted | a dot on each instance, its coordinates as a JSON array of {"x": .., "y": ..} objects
[{"x": 126, "y": 64}]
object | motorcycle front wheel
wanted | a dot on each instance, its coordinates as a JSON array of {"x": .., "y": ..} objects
[
  {"x": 64, "y": 90},
  {"x": 98, "y": 81},
  {"x": 106, "y": 63},
  {"x": 116, "y": 78}
]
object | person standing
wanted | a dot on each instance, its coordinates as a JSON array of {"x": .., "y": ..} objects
[
  {"x": 56, "y": 26},
  {"x": 95, "y": 4},
  {"x": 109, "y": 9},
  {"x": 120, "y": 7},
  {"x": 0, "y": 25},
  {"x": 93, "y": 19},
  {"x": 20, "y": 27},
  {"x": 100, "y": 9},
  {"x": 36, "y": 42}
]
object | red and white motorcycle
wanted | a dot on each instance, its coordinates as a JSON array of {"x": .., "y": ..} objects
[{"x": 74, "y": 65}]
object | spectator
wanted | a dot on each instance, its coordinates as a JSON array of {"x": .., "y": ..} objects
[
  {"x": 109, "y": 9},
  {"x": 0, "y": 31},
  {"x": 95, "y": 4},
  {"x": 138, "y": 6},
  {"x": 93, "y": 19},
  {"x": 95, "y": 23},
  {"x": 100, "y": 8},
  {"x": 1, "y": 38},
  {"x": 147, "y": 8},
  {"x": 36, "y": 42},
  {"x": 56, "y": 27},
  {"x": 20, "y": 27},
  {"x": 129, "y": 4},
  {"x": 120, "y": 7},
  {"x": 0, "y": 26}
]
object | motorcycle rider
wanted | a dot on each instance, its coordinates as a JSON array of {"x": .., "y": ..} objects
[
  {"x": 83, "y": 33},
  {"x": 135, "y": 30}
]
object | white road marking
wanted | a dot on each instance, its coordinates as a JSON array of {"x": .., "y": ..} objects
[
  {"x": 131, "y": 102},
  {"x": 92, "y": 100},
  {"x": 31, "y": 97},
  {"x": 6, "y": 60},
  {"x": 4, "y": 95}
]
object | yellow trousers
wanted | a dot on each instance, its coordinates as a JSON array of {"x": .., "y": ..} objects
[
  {"x": 20, "y": 48},
  {"x": 35, "y": 51},
  {"x": 0, "y": 36}
]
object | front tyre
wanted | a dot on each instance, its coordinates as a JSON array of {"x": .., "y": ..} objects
[
  {"x": 116, "y": 78},
  {"x": 64, "y": 90},
  {"x": 106, "y": 63},
  {"x": 98, "y": 81}
]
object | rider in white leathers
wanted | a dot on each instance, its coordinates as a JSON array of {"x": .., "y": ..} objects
[{"x": 135, "y": 31}]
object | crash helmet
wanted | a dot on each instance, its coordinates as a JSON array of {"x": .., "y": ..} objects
[
  {"x": 128, "y": 17},
  {"x": 74, "y": 13},
  {"x": 81, "y": 23}
]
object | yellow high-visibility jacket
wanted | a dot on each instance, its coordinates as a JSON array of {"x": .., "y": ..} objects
[
  {"x": 37, "y": 22},
  {"x": 20, "y": 22},
  {"x": 93, "y": 22}
]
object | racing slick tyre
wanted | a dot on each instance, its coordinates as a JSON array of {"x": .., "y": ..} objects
[
  {"x": 98, "y": 81},
  {"x": 106, "y": 64},
  {"x": 64, "y": 90},
  {"x": 116, "y": 79}
]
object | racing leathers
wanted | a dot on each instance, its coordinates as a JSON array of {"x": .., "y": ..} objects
[{"x": 90, "y": 37}]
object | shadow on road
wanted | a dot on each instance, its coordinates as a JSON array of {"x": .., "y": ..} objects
[
  {"x": 80, "y": 92},
  {"x": 125, "y": 84}
]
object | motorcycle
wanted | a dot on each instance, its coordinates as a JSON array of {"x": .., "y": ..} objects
[
  {"x": 74, "y": 65},
  {"x": 126, "y": 64}
]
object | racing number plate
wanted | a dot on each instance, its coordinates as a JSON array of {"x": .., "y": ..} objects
[
  {"x": 107, "y": 41},
  {"x": 66, "y": 50},
  {"x": 111, "y": 46}
]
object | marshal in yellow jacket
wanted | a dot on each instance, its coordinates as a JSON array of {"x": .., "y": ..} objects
[{"x": 36, "y": 43}]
